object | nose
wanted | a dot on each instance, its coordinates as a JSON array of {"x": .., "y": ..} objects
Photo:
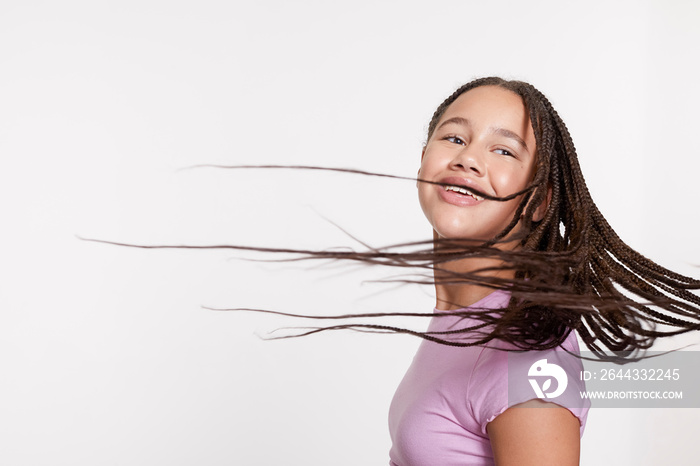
[{"x": 469, "y": 159}]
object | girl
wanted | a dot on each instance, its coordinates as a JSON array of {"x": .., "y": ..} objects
[
  {"x": 510, "y": 211},
  {"x": 452, "y": 406}
]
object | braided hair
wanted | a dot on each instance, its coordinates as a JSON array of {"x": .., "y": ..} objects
[{"x": 573, "y": 272}]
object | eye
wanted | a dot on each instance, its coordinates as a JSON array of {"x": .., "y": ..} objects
[
  {"x": 454, "y": 140},
  {"x": 504, "y": 152}
]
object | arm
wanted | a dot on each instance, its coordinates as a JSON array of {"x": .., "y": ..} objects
[{"x": 535, "y": 433}]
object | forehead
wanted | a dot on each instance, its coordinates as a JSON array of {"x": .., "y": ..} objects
[{"x": 488, "y": 107}]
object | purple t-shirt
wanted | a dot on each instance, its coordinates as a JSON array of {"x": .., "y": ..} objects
[{"x": 449, "y": 394}]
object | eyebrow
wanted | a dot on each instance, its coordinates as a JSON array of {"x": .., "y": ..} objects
[
  {"x": 455, "y": 120},
  {"x": 509, "y": 134},
  {"x": 499, "y": 131}
]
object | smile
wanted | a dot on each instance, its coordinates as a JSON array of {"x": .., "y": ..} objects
[{"x": 463, "y": 191}]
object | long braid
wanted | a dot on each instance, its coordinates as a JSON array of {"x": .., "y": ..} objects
[{"x": 574, "y": 225}]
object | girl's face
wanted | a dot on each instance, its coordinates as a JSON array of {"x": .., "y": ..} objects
[{"x": 484, "y": 140}]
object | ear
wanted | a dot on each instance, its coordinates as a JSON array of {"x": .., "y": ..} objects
[{"x": 542, "y": 208}]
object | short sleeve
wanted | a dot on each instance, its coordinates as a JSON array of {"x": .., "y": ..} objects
[
  {"x": 502, "y": 379},
  {"x": 487, "y": 394}
]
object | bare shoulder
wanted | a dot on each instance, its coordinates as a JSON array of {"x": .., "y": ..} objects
[{"x": 535, "y": 433}]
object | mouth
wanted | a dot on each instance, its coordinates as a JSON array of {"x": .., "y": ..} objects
[{"x": 463, "y": 191}]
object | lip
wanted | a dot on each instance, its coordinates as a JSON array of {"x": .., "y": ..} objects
[{"x": 457, "y": 199}]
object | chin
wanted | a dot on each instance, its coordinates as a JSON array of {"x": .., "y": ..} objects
[{"x": 456, "y": 233}]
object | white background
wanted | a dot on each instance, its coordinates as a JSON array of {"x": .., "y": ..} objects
[{"x": 106, "y": 356}]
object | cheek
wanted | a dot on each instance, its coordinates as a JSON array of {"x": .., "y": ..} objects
[
  {"x": 425, "y": 172},
  {"x": 423, "y": 198},
  {"x": 424, "y": 163},
  {"x": 510, "y": 180},
  {"x": 430, "y": 204}
]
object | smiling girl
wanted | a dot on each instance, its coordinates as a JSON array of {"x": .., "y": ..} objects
[
  {"x": 522, "y": 260},
  {"x": 452, "y": 406}
]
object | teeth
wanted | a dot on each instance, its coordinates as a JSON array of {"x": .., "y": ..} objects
[{"x": 457, "y": 189}]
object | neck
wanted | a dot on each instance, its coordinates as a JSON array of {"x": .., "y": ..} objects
[{"x": 451, "y": 294}]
